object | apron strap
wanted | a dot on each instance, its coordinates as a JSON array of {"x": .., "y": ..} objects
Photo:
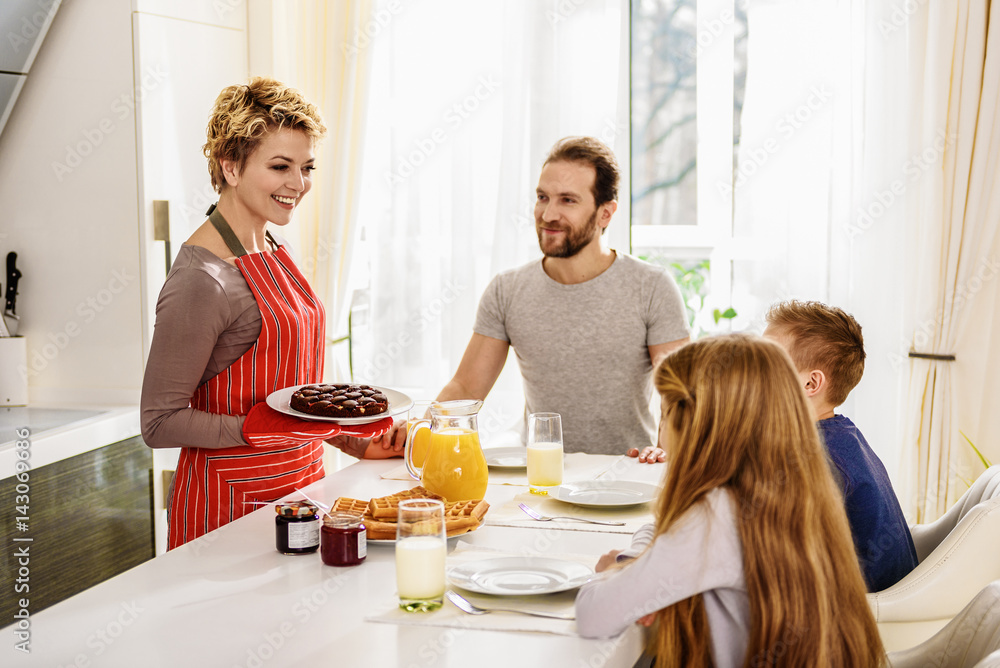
[{"x": 220, "y": 224}]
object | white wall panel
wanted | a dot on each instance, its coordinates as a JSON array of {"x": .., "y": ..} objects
[
  {"x": 183, "y": 65},
  {"x": 68, "y": 187},
  {"x": 225, "y": 13}
]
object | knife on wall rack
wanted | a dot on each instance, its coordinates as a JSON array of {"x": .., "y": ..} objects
[{"x": 10, "y": 317}]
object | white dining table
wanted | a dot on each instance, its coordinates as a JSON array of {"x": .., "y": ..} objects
[{"x": 229, "y": 599}]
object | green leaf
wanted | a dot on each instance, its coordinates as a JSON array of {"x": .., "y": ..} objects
[
  {"x": 728, "y": 314},
  {"x": 982, "y": 458}
]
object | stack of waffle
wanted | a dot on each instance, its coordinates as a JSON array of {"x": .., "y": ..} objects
[{"x": 380, "y": 513}]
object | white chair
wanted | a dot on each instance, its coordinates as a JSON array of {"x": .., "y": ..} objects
[
  {"x": 970, "y": 640},
  {"x": 958, "y": 555},
  {"x": 992, "y": 661}
]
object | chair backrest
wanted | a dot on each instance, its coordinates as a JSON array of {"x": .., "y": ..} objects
[
  {"x": 926, "y": 537},
  {"x": 956, "y": 570},
  {"x": 970, "y": 640},
  {"x": 992, "y": 661}
]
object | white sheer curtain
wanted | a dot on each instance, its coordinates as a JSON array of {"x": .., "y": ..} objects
[
  {"x": 881, "y": 200},
  {"x": 467, "y": 97},
  {"x": 322, "y": 48},
  {"x": 818, "y": 145},
  {"x": 957, "y": 48}
]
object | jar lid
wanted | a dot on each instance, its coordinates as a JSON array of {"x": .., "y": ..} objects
[
  {"x": 296, "y": 509},
  {"x": 342, "y": 520}
]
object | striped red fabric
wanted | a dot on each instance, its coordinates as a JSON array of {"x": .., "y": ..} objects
[{"x": 213, "y": 487}]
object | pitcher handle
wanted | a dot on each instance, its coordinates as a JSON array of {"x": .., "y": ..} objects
[{"x": 411, "y": 428}]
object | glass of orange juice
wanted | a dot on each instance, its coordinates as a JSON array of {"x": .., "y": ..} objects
[{"x": 545, "y": 452}]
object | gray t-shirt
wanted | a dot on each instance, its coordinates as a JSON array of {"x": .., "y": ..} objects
[
  {"x": 700, "y": 554},
  {"x": 583, "y": 349}
]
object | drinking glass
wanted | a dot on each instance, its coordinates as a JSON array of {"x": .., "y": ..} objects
[
  {"x": 420, "y": 552},
  {"x": 545, "y": 452}
]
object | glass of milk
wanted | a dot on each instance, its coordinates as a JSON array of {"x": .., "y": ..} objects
[
  {"x": 545, "y": 452},
  {"x": 420, "y": 552}
]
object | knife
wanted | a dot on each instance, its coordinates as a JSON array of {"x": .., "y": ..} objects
[
  {"x": 11, "y": 319},
  {"x": 3, "y": 329}
]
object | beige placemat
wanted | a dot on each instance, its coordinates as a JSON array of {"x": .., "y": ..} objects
[
  {"x": 451, "y": 617},
  {"x": 577, "y": 467},
  {"x": 509, "y": 514}
]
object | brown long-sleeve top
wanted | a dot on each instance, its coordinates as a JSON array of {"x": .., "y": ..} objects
[{"x": 206, "y": 319}]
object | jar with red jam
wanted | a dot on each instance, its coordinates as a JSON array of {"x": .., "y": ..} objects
[
  {"x": 296, "y": 528},
  {"x": 343, "y": 539}
]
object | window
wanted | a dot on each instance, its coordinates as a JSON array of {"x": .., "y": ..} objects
[{"x": 688, "y": 74}]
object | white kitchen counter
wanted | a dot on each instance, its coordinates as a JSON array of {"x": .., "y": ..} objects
[
  {"x": 57, "y": 433},
  {"x": 230, "y": 599}
]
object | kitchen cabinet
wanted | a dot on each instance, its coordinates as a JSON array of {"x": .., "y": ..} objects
[
  {"x": 82, "y": 520},
  {"x": 111, "y": 118},
  {"x": 185, "y": 53},
  {"x": 186, "y": 63}
]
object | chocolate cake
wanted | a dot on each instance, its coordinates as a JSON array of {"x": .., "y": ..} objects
[{"x": 339, "y": 400}]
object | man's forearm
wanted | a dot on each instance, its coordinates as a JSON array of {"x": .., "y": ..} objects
[{"x": 456, "y": 390}]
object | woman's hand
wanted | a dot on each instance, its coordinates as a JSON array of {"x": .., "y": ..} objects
[
  {"x": 649, "y": 455},
  {"x": 264, "y": 427}
]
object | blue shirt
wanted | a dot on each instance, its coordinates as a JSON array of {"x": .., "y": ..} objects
[{"x": 881, "y": 535}]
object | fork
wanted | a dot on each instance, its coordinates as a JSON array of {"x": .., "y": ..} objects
[
  {"x": 531, "y": 512},
  {"x": 466, "y": 606}
]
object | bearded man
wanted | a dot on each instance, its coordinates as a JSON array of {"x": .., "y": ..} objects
[{"x": 587, "y": 323}]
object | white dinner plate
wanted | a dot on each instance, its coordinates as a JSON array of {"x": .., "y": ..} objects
[
  {"x": 605, "y": 493},
  {"x": 519, "y": 576},
  {"x": 280, "y": 401},
  {"x": 506, "y": 458}
]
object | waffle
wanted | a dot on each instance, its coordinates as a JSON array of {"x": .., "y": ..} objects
[
  {"x": 463, "y": 516},
  {"x": 348, "y": 505},
  {"x": 387, "y": 507},
  {"x": 379, "y": 529},
  {"x": 459, "y": 516}
]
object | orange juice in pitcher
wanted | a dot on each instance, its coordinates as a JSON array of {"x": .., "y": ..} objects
[
  {"x": 419, "y": 433},
  {"x": 454, "y": 465},
  {"x": 421, "y": 446}
]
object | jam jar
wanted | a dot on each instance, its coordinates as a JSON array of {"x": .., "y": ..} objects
[
  {"x": 296, "y": 528},
  {"x": 343, "y": 540}
]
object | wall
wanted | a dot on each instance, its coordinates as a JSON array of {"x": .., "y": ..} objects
[{"x": 68, "y": 184}]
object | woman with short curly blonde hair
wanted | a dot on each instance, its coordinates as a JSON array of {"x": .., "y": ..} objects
[
  {"x": 245, "y": 113},
  {"x": 237, "y": 321}
]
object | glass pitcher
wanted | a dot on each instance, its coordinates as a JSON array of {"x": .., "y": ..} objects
[{"x": 454, "y": 465}]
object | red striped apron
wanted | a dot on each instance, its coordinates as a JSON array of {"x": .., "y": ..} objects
[{"x": 212, "y": 487}]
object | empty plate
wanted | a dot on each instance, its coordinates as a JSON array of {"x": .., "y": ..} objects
[
  {"x": 519, "y": 576},
  {"x": 513, "y": 457},
  {"x": 605, "y": 493}
]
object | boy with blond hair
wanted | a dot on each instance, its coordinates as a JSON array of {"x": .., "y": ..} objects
[{"x": 827, "y": 348}]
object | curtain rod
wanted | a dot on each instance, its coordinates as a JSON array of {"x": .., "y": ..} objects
[{"x": 932, "y": 356}]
